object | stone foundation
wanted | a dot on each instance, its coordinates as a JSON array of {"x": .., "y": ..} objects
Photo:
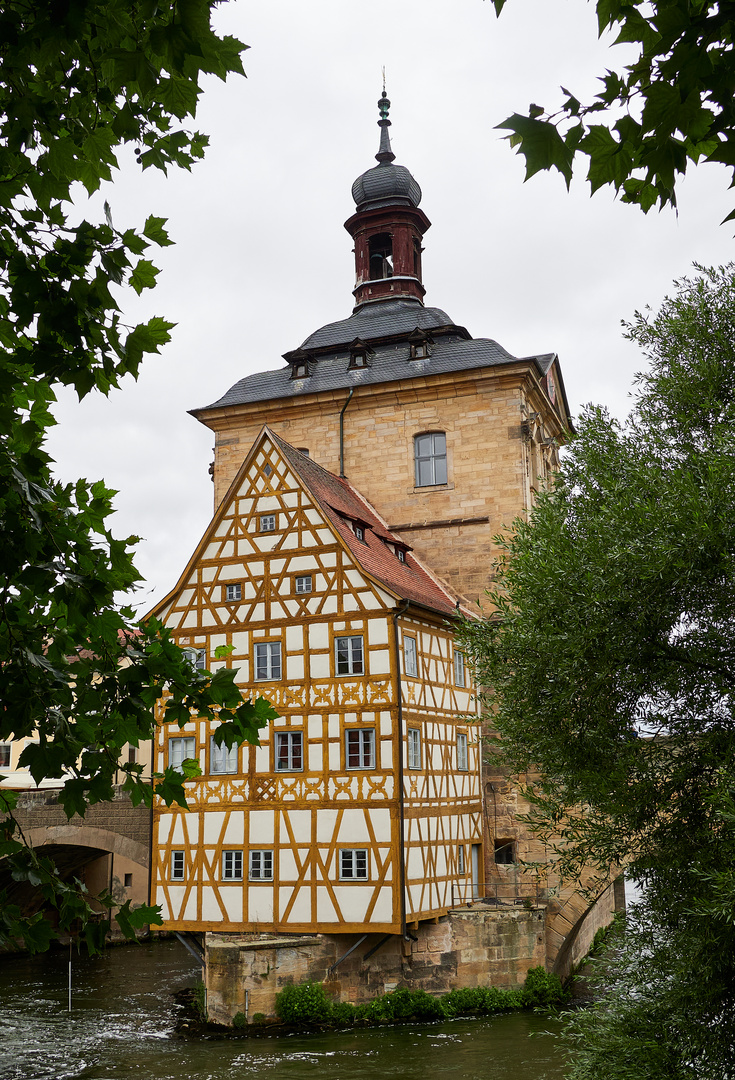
[{"x": 469, "y": 947}]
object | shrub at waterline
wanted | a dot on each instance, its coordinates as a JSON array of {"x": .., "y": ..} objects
[
  {"x": 305, "y": 1004},
  {"x": 541, "y": 990},
  {"x": 309, "y": 1005},
  {"x": 480, "y": 1001}
]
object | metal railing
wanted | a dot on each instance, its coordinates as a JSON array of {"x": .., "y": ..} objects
[{"x": 497, "y": 893}]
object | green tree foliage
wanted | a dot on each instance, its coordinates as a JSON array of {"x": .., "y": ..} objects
[
  {"x": 80, "y": 80},
  {"x": 652, "y": 1016},
  {"x": 671, "y": 106},
  {"x": 611, "y": 656}
]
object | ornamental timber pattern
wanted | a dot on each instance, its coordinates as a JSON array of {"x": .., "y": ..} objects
[{"x": 305, "y": 833}]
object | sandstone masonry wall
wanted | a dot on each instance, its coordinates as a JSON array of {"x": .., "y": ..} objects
[
  {"x": 473, "y": 947},
  {"x": 42, "y": 810}
]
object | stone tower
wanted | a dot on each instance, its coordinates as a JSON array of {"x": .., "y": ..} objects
[{"x": 449, "y": 436}]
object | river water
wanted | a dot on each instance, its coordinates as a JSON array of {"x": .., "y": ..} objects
[{"x": 121, "y": 1027}]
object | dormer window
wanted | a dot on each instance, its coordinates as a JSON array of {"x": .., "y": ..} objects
[
  {"x": 356, "y": 527},
  {"x": 419, "y": 343},
  {"x": 360, "y": 354},
  {"x": 396, "y": 549},
  {"x": 299, "y": 360}
]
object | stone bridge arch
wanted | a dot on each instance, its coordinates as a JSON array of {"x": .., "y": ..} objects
[
  {"x": 572, "y": 922},
  {"x": 108, "y": 849},
  {"x": 88, "y": 836}
]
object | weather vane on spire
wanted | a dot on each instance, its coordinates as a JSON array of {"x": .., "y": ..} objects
[{"x": 384, "y": 155}]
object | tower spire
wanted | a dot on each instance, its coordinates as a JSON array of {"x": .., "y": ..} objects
[
  {"x": 387, "y": 226},
  {"x": 384, "y": 155}
]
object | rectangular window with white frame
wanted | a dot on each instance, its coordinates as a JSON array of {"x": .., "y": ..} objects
[
  {"x": 303, "y": 583},
  {"x": 232, "y": 866},
  {"x": 267, "y": 522},
  {"x": 410, "y": 659},
  {"x": 460, "y": 670},
  {"x": 353, "y": 864},
  {"x": 221, "y": 758},
  {"x": 268, "y": 661},
  {"x": 460, "y": 860},
  {"x": 179, "y": 750},
  {"x": 177, "y": 865},
  {"x": 5, "y": 755},
  {"x": 462, "y": 759},
  {"x": 360, "y": 748},
  {"x": 414, "y": 748},
  {"x": 261, "y": 866},
  {"x": 289, "y": 747},
  {"x": 430, "y": 458},
  {"x": 349, "y": 655},
  {"x": 197, "y": 658},
  {"x": 233, "y": 592}
]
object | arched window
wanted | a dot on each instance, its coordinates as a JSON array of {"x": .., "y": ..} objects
[
  {"x": 417, "y": 261},
  {"x": 430, "y": 458},
  {"x": 380, "y": 249}
]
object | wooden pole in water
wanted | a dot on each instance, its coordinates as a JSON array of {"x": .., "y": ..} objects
[{"x": 69, "y": 974}]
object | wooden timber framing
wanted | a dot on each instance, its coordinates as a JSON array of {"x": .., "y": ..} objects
[{"x": 315, "y": 846}]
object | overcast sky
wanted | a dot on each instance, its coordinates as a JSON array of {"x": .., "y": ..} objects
[{"x": 261, "y": 258}]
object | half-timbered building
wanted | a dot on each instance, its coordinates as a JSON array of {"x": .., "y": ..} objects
[{"x": 360, "y": 810}]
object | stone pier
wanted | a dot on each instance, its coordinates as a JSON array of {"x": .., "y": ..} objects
[{"x": 475, "y": 946}]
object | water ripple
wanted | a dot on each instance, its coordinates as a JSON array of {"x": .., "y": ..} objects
[{"x": 122, "y": 1027}]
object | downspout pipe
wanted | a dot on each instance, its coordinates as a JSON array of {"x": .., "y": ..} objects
[
  {"x": 401, "y": 809},
  {"x": 342, "y": 434},
  {"x": 150, "y": 827}
]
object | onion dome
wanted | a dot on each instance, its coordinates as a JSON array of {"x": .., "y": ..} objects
[{"x": 385, "y": 184}]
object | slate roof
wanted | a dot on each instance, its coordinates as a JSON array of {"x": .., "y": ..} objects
[
  {"x": 386, "y": 185},
  {"x": 410, "y": 580},
  {"x": 385, "y": 326},
  {"x": 380, "y": 319}
]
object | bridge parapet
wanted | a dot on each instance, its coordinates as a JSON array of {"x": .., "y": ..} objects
[
  {"x": 41, "y": 809},
  {"x": 108, "y": 848}
]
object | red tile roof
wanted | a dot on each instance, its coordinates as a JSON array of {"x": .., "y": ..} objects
[{"x": 339, "y": 500}]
